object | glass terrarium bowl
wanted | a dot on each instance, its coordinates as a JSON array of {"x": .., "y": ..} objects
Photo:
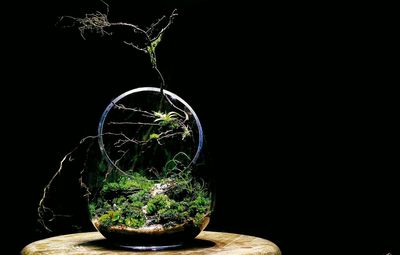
[{"x": 150, "y": 190}]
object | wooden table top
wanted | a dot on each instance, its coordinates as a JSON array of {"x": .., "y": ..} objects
[{"x": 93, "y": 243}]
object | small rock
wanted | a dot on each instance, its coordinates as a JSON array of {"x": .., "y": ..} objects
[{"x": 160, "y": 188}]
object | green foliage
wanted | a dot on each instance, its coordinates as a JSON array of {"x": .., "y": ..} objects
[
  {"x": 176, "y": 212},
  {"x": 102, "y": 166},
  {"x": 115, "y": 216},
  {"x": 129, "y": 201},
  {"x": 199, "y": 208},
  {"x": 154, "y": 136},
  {"x": 167, "y": 119},
  {"x": 179, "y": 212},
  {"x": 131, "y": 217},
  {"x": 121, "y": 200},
  {"x": 105, "y": 220},
  {"x": 136, "y": 221},
  {"x": 139, "y": 199},
  {"x": 200, "y": 204},
  {"x": 157, "y": 203},
  {"x": 112, "y": 186},
  {"x": 134, "y": 182},
  {"x": 186, "y": 133},
  {"x": 198, "y": 219},
  {"x": 110, "y": 218},
  {"x": 92, "y": 209},
  {"x": 178, "y": 165}
]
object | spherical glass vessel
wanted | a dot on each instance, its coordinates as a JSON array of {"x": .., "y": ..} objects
[{"x": 151, "y": 189}]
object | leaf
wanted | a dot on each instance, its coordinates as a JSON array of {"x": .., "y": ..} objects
[
  {"x": 154, "y": 136},
  {"x": 158, "y": 114},
  {"x": 115, "y": 216}
]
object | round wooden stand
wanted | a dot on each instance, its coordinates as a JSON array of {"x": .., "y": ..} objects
[{"x": 93, "y": 243}]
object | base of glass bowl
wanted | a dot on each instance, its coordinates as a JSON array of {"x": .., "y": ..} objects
[
  {"x": 153, "y": 247},
  {"x": 152, "y": 238}
]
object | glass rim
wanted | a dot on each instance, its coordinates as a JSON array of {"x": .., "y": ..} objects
[{"x": 144, "y": 89}]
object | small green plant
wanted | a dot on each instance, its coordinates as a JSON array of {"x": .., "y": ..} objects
[{"x": 165, "y": 118}]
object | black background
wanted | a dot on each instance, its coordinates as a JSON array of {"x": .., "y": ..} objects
[{"x": 297, "y": 103}]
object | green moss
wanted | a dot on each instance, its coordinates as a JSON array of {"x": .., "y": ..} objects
[
  {"x": 128, "y": 183},
  {"x": 198, "y": 219},
  {"x": 139, "y": 199},
  {"x": 119, "y": 200},
  {"x": 110, "y": 218},
  {"x": 134, "y": 218},
  {"x": 177, "y": 212},
  {"x": 200, "y": 205},
  {"x": 157, "y": 203},
  {"x": 170, "y": 212},
  {"x": 134, "y": 223},
  {"x": 130, "y": 218},
  {"x": 112, "y": 186},
  {"x": 105, "y": 220},
  {"x": 122, "y": 202},
  {"x": 92, "y": 209}
]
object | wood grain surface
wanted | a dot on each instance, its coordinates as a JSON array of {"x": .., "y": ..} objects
[{"x": 93, "y": 243}]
